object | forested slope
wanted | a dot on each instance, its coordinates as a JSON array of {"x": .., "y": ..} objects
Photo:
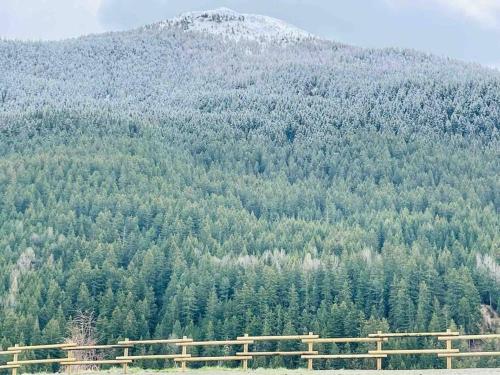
[{"x": 178, "y": 183}]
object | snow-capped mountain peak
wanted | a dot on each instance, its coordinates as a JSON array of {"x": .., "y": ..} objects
[{"x": 234, "y": 25}]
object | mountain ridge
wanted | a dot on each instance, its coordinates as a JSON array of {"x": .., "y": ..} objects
[{"x": 234, "y": 26}]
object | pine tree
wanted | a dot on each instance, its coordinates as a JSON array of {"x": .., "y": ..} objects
[{"x": 424, "y": 308}]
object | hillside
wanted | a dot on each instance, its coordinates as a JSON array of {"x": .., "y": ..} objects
[{"x": 220, "y": 173}]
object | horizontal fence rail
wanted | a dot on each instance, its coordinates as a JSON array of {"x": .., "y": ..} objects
[
  {"x": 414, "y": 334},
  {"x": 64, "y": 353}
]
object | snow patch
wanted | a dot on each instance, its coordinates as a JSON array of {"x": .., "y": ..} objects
[{"x": 236, "y": 26}]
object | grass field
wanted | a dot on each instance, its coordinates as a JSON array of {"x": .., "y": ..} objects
[{"x": 227, "y": 371}]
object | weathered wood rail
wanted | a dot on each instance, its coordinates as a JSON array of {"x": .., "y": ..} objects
[{"x": 65, "y": 357}]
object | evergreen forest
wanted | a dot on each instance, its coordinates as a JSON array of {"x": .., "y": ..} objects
[{"x": 173, "y": 183}]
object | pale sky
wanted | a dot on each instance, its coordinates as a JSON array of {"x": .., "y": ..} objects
[{"x": 464, "y": 29}]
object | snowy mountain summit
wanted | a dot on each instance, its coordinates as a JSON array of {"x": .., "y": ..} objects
[{"x": 236, "y": 26}]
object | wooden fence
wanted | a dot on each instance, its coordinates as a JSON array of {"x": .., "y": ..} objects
[
  {"x": 219, "y": 359},
  {"x": 167, "y": 356},
  {"x": 254, "y": 339},
  {"x": 18, "y": 350},
  {"x": 444, "y": 351},
  {"x": 77, "y": 360},
  {"x": 179, "y": 350},
  {"x": 448, "y": 339},
  {"x": 343, "y": 340}
]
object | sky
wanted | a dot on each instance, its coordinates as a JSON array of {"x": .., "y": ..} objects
[{"x": 464, "y": 29}]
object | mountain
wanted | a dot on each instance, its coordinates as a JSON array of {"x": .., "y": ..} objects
[
  {"x": 219, "y": 173},
  {"x": 161, "y": 70}
]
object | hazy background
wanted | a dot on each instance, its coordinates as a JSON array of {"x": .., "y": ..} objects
[{"x": 464, "y": 29}]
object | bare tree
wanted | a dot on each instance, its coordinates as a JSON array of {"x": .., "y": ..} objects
[{"x": 82, "y": 332}]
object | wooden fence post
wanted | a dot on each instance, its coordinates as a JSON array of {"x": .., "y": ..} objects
[
  {"x": 70, "y": 357},
  {"x": 310, "y": 348},
  {"x": 125, "y": 354},
  {"x": 15, "y": 358},
  {"x": 379, "y": 348},
  {"x": 184, "y": 353},
  {"x": 448, "y": 347},
  {"x": 245, "y": 352}
]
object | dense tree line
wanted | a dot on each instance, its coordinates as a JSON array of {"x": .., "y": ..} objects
[{"x": 293, "y": 188}]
